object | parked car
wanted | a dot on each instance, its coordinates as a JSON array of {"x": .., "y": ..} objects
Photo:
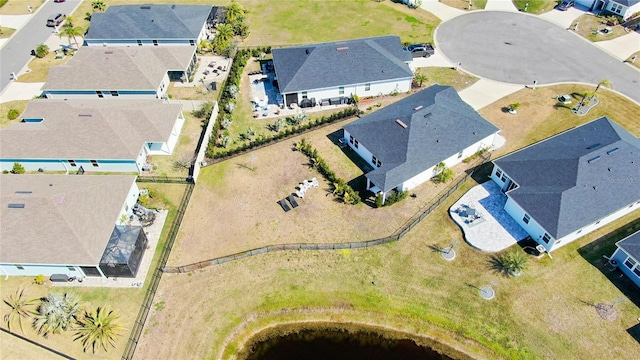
[
  {"x": 58, "y": 1},
  {"x": 56, "y": 19},
  {"x": 565, "y": 4},
  {"x": 420, "y": 50}
]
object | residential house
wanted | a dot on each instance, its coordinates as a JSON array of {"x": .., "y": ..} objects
[
  {"x": 624, "y": 8},
  {"x": 120, "y": 72},
  {"x": 571, "y": 184},
  {"x": 627, "y": 256},
  {"x": 405, "y": 141},
  {"x": 331, "y": 72},
  {"x": 153, "y": 25},
  {"x": 73, "y": 225},
  {"x": 90, "y": 135}
]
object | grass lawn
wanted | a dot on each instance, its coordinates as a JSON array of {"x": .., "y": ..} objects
[
  {"x": 637, "y": 62},
  {"x": 6, "y": 32},
  {"x": 464, "y": 4},
  {"x": 19, "y": 7},
  {"x": 447, "y": 76},
  {"x": 588, "y": 24},
  {"x": 126, "y": 301},
  {"x": 536, "y": 6},
  {"x": 39, "y": 67},
  {"x": 19, "y": 105}
]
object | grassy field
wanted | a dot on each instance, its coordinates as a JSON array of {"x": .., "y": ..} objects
[
  {"x": 637, "y": 62},
  {"x": 19, "y": 7},
  {"x": 19, "y": 105},
  {"x": 126, "y": 301},
  {"x": 588, "y": 24},
  {"x": 464, "y": 4},
  {"x": 6, "y": 32},
  {"x": 529, "y": 319},
  {"x": 536, "y": 6}
]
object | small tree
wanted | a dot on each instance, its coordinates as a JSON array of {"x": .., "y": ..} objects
[
  {"x": 444, "y": 174},
  {"x": 512, "y": 108},
  {"x": 17, "y": 168},
  {"x": 72, "y": 32},
  {"x": 20, "y": 308},
  {"x": 419, "y": 78},
  {"x": 42, "y": 50},
  {"x": 513, "y": 262},
  {"x": 98, "y": 328}
]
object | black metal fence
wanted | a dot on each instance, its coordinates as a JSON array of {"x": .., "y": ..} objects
[
  {"x": 154, "y": 281},
  {"x": 403, "y": 230}
]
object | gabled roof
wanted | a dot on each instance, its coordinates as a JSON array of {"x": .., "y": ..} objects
[
  {"x": 88, "y": 129},
  {"x": 577, "y": 177},
  {"x": 631, "y": 245},
  {"x": 442, "y": 126},
  {"x": 148, "y": 22},
  {"x": 119, "y": 68},
  {"x": 66, "y": 219},
  {"x": 627, "y": 3},
  {"x": 332, "y": 64}
]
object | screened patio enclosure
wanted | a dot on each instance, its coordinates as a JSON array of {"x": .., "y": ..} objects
[{"x": 124, "y": 252}]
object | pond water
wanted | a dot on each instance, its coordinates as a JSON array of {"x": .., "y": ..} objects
[{"x": 331, "y": 343}]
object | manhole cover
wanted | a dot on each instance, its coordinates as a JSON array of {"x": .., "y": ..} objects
[
  {"x": 487, "y": 293},
  {"x": 448, "y": 254}
]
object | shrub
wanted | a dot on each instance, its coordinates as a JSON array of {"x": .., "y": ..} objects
[
  {"x": 513, "y": 262},
  {"x": 394, "y": 197},
  {"x": 39, "y": 280},
  {"x": 12, "y": 114},
  {"x": 17, "y": 168}
]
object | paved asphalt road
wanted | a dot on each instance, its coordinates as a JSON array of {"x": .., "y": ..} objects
[
  {"x": 519, "y": 49},
  {"x": 17, "y": 52}
]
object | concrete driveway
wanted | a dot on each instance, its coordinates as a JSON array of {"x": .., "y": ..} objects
[
  {"x": 16, "y": 52},
  {"x": 520, "y": 49}
]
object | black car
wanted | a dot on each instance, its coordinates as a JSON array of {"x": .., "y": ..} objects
[
  {"x": 565, "y": 4},
  {"x": 420, "y": 50}
]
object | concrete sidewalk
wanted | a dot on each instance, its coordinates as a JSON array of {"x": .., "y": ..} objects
[{"x": 444, "y": 12}]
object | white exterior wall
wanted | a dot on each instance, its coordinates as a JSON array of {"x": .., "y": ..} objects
[
  {"x": 533, "y": 228},
  {"x": 621, "y": 256},
  {"x": 376, "y": 89},
  {"x": 632, "y": 10},
  {"x": 35, "y": 270},
  {"x": 167, "y": 147},
  {"x": 127, "y": 206}
]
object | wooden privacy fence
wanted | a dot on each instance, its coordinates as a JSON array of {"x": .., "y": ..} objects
[{"x": 395, "y": 236}]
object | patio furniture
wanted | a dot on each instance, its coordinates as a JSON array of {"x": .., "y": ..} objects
[
  {"x": 284, "y": 205},
  {"x": 299, "y": 194},
  {"x": 293, "y": 201},
  {"x": 471, "y": 212},
  {"x": 212, "y": 64}
]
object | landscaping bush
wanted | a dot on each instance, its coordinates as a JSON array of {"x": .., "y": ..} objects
[
  {"x": 394, "y": 197},
  {"x": 17, "y": 168},
  {"x": 12, "y": 114}
]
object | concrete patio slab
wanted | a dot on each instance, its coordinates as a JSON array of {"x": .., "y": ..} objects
[
  {"x": 485, "y": 92},
  {"x": 495, "y": 230},
  {"x": 621, "y": 47},
  {"x": 500, "y": 5},
  {"x": 441, "y": 10}
]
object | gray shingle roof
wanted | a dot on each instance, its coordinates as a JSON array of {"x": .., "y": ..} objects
[
  {"x": 631, "y": 245},
  {"x": 66, "y": 220},
  {"x": 332, "y": 64},
  {"x": 88, "y": 129},
  {"x": 441, "y": 128},
  {"x": 118, "y": 68},
  {"x": 577, "y": 177},
  {"x": 626, "y": 3},
  {"x": 148, "y": 22}
]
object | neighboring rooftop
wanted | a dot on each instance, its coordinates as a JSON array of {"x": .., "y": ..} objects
[
  {"x": 65, "y": 219},
  {"x": 149, "y": 22},
  {"x": 576, "y": 178},
  {"x": 87, "y": 129},
  {"x": 631, "y": 245},
  {"x": 418, "y": 132},
  {"x": 119, "y": 68},
  {"x": 316, "y": 66}
]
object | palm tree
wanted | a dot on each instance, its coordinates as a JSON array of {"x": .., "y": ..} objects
[
  {"x": 605, "y": 83},
  {"x": 420, "y": 78},
  {"x": 513, "y": 262},
  {"x": 42, "y": 50},
  {"x": 225, "y": 32},
  {"x": 56, "y": 313},
  {"x": 98, "y": 328},
  {"x": 99, "y": 5},
  {"x": 234, "y": 11},
  {"x": 444, "y": 173},
  {"x": 69, "y": 21},
  {"x": 19, "y": 305},
  {"x": 72, "y": 32}
]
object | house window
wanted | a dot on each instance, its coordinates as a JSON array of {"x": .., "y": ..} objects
[
  {"x": 460, "y": 154},
  {"x": 192, "y": 42},
  {"x": 499, "y": 173},
  {"x": 630, "y": 263},
  {"x": 155, "y": 42},
  {"x": 617, "y": 8},
  {"x": 379, "y": 163},
  {"x": 139, "y": 42},
  {"x": 637, "y": 271},
  {"x": 304, "y": 95},
  {"x": 72, "y": 163},
  {"x": 100, "y": 95},
  {"x": 355, "y": 143},
  {"x": 367, "y": 86},
  {"x": 19, "y": 267},
  {"x": 71, "y": 268},
  {"x": 341, "y": 90},
  {"x": 374, "y": 160},
  {"x": 546, "y": 238},
  {"x": 526, "y": 218},
  {"x": 114, "y": 93},
  {"x": 94, "y": 163},
  {"x": 351, "y": 139}
]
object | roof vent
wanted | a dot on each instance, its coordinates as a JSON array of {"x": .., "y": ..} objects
[
  {"x": 85, "y": 115},
  {"x": 109, "y": 52},
  {"x": 418, "y": 108},
  {"x": 613, "y": 151},
  {"x": 147, "y": 7},
  {"x": 427, "y": 115},
  {"x": 342, "y": 48},
  {"x": 306, "y": 51},
  {"x": 16, "y": 206},
  {"x": 399, "y": 122},
  {"x": 23, "y": 192},
  {"x": 593, "y": 159},
  {"x": 594, "y": 146}
]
